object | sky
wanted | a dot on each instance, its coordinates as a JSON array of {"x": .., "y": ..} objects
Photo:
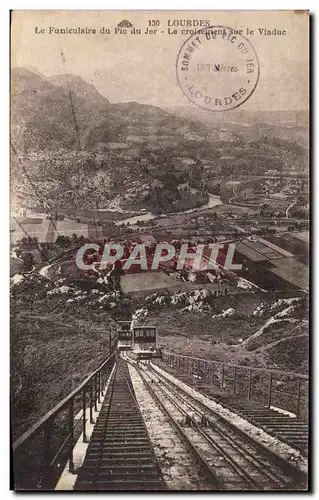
[{"x": 142, "y": 68}]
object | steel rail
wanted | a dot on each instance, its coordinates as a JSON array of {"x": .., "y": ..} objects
[
  {"x": 259, "y": 464},
  {"x": 228, "y": 458},
  {"x": 296, "y": 474},
  {"x": 199, "y": 457}
]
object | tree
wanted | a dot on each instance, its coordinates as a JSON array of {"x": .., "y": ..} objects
[
  {"x": 28, "y": 261},
  {"x": 63, "y": 241},
  {"x": 18, "y": 252},
  {"x": 266, "y": 210},
  {"x": 24, "y": 241}
]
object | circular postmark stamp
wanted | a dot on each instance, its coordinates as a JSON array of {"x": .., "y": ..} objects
[{"x": 217, "y": 68}]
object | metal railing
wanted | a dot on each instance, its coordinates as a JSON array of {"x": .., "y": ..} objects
[
  {"x": 287, "y": 390},
  {"x": 41, "y": 453}
]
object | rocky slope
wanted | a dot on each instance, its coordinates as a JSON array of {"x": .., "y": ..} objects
[
  {"x": 65, "y": 111},
  {"x": 249, "y": 331}
]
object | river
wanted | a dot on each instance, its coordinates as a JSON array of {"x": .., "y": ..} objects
[{"x": 213, "y": 201}]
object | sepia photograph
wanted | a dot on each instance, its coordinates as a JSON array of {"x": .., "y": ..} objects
[{"x": 159, "y": 250}]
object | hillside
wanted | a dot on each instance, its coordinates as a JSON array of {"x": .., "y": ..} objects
[
  {"x": 79, "y": 86},
  {"x": 46, "y": 116},
  {"x": 59, "y": 335},
  {"x": 76, "y": 149},
  {"x": 83, "y": 151},
  {"x": 286, "y": 125},
  {"x": 256, "y": 332},
  {"x": 50, "y": 113}
]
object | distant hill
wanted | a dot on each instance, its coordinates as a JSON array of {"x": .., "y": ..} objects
[
  {"x": 79, "y": 86},
  {"x": 35, "y": 70},
  {"x": 298, "y": 118},
  {"x": 84, "y": 151},
  {"x": 287, "y": 125},
  {"x": 47, "y": 116},
  {"x": 65, "y": 111}
]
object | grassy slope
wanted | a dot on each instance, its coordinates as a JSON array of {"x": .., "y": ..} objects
[
  {"x": 199, "y": 335},
  {"x": 53, "y": 348},
  {"x": 284, "y": 345}
]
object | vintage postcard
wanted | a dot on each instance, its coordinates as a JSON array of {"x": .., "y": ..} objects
[{"x": 159, "y": 250}]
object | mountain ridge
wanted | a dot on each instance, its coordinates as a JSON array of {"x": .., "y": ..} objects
[
  {"x": 79, "y": 85},
  {"x": 83, "y": 150},
  {"x": 66, "y": 102}
]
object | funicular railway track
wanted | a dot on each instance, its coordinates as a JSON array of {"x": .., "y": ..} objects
[
  {"x": 289, "y": 429},
  {"x": 120, "y": 456},
  {"x": 230, "y": 459}
]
